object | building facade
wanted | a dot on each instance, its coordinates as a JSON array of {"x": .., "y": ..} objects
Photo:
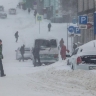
[{"x": 86, "y": 7}]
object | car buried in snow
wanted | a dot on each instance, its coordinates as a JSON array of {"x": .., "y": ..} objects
[
  {"x": 49, "y": 52},
  {"x": 12, "y": 11},
  {"x": 3, "y": 15},
  {"x": 27, "y": 54},
  {"x": 84, "y": 57}
]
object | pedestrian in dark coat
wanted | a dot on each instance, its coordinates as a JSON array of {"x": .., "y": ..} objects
[
  {"x": 22, "y": 51},
  {"x": 1, "y": 57},
  {"x": 29, "y": 10},
  {"x": 49, "y": 27},
  {"x": 16, "y": 36},
  {"x": 63, "y": 52},
  {"x": 36, "y": 51}
]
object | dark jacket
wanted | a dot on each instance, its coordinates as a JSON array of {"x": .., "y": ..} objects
[
  {"x": 49, "y": 25},
  {"x": 16, "y": 35},
  {"x": 22, "y": 51},
  {"x": 36, "y": 51},
  {"x": 1, "y": 55}
]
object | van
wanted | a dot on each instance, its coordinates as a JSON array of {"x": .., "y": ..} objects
[{"x": 49, "y": 52}]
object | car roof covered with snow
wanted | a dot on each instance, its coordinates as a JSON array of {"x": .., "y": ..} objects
[{"x": 88, "y": 48}]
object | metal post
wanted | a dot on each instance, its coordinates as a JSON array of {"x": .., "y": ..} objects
[
  {"x": 71, "y": 44},
  {"x": 39, "y": 27},
  {"x": 93, "y": 15},
  {"x": 67, "y": 35}
]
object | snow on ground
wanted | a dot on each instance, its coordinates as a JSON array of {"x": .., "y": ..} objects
[{"x": 22, "y": 79}]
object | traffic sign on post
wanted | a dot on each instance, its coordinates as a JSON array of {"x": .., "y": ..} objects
[
  {"x": 83, "y": 20},
  {"x": 77, "y": 30},
  {"x": 71, "y": 29},
  {"x": 39, "y": 17}
]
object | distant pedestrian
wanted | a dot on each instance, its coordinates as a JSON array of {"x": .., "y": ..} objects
[
  {"x": 63, "y": 52},
  {"x": 16, "y": 36},
  {"x": 29, "y": 10},
  {"x": 36, "y": 51},
  {"x": 22, "y": 51},
  {"x": 49, "y": 27},
  {"x": 61, "y": 42},
  {"x": 74, "y": 46},
  {"x": 35, "y": 13},
  {"x": 1, "y": 57}
]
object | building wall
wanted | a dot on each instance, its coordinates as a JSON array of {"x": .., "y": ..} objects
[{"x": 86, "y": 7}]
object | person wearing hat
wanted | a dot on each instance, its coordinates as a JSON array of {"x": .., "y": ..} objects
[{"x": 1, "y": 57}]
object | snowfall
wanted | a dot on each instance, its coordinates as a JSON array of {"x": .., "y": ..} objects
[{"x": 22, "y": 79}]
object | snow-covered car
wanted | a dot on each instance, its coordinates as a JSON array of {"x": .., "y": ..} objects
[
  {"x": 1, "y": 8},
  {"x": 84, "y": 57},
  {"x": 49, "y": 52},
  {"x": 3, "y": 15},
  {"x": 27, "y": 54},
  {"x": 12, "y": 11}
]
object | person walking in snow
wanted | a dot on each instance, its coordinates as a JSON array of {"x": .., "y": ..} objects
[
  {"x": 22, "y": 51},
  {"x": 29, "y": 10},
  {"x": 36, "y": 51},
  {"x": 49, "y": 27},
  {"x": 1, "y": 57},
  {"x": 63, "y": 52},
  {"x": 16, "y": 36}
]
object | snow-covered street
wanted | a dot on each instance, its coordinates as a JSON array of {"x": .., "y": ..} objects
[{"x": 22, "y": 79}]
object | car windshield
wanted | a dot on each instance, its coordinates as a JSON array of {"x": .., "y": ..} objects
[{"x": 46, "y": 43}]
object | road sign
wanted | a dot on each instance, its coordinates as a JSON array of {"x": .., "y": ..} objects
[
  {"x": 83, "y": 20},
  {"x": 39, "y": 17},
  {"x": 71, "y": 29},
  {"x": 89, "y": 25},
  {"x": 94, "y": 23},
  {"x": 74, "y": 21},
  {"x": 82, "y": 26},
  {"x": 77, "y": 30}
]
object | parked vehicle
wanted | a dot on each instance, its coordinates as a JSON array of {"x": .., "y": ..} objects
[
  {"x": 12, "y": 11},
  {"x": 49, "y": 52},
  {"x": 1, "y": 8},
  {"x": 84, "y": 57},
  {"x": 3, "y": 15},
  {"x": 27, "y": 54}
]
